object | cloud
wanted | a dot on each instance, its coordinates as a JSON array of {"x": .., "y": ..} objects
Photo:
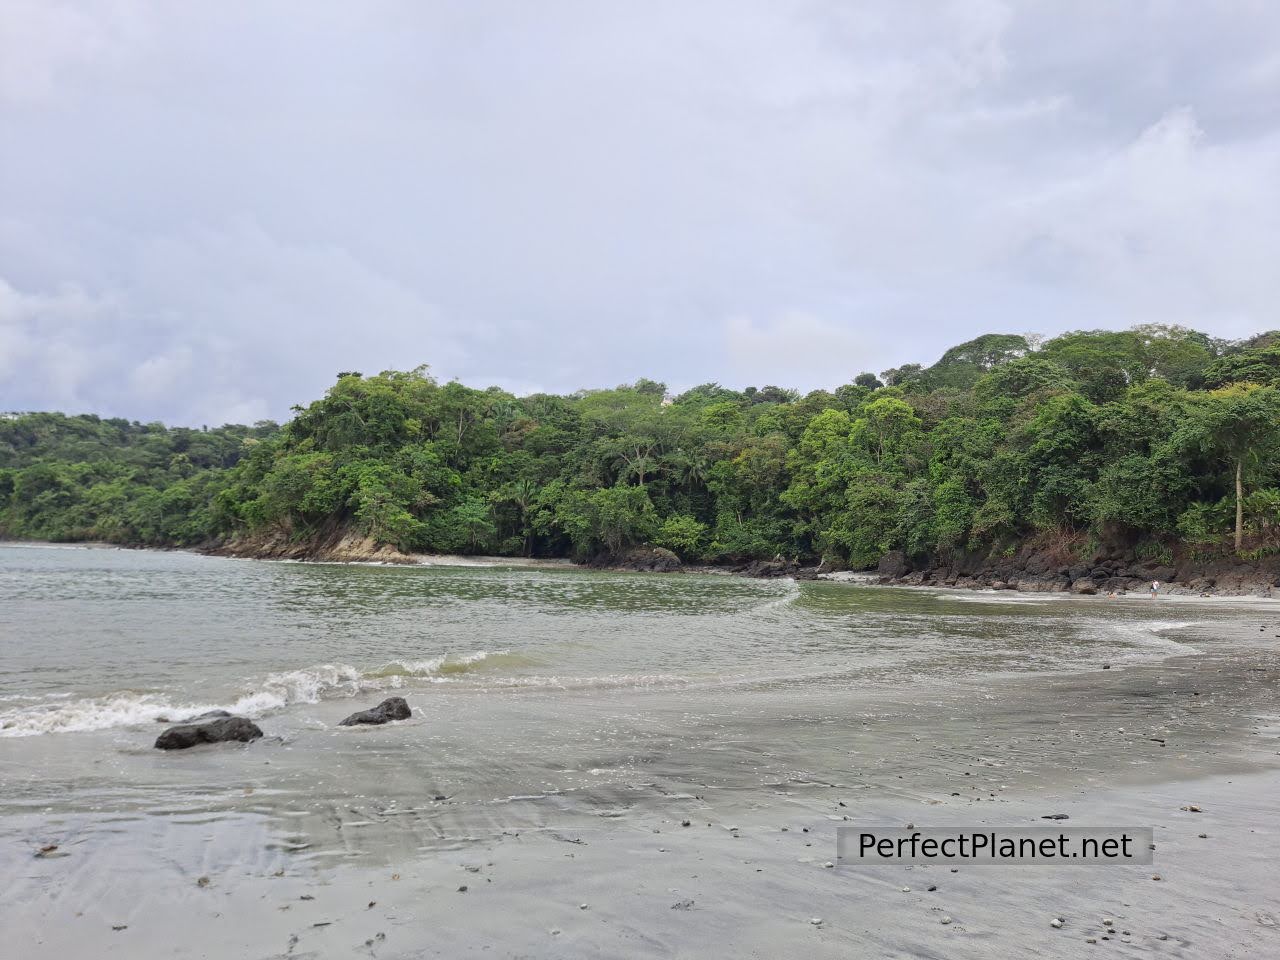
[
  {"x": 245, "y": 199},
  {"x": 793, "y": 347},
  {"x": 263, "y": 304},
  {"x": 45, "y": 342}
]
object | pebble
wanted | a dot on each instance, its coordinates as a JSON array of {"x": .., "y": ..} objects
[
  {"x": 1108, "y": 922},
  {"x": 684, "y": 823},
  {"x": 828, "y": 864},
  {"x": 816, "y": 921},
  {"x": 463, "y": 888},
  {"x": 906, "y": 889},
  {"x": 1056, "y": 922},
  {"x": 944, "y": 921},
  {"x": 583, "y": 906},
  {"x": 555, "y": 931},
  {"x": 1090, "y": 939}
]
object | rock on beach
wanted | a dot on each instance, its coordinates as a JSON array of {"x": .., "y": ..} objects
[
  {"x": 219, "y": 730},
  {"x": 392, "y": 708}
]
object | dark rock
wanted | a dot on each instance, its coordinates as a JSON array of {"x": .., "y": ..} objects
[
  {"x": 213, "y": 731},
  {"x": 642, "y": 559},
  {"x": 893, "y": 564},
  {"x": 1038, "y": 563},
  {"x": 769, "y": 569},
  {"x": 392, "y": 708},
  {"x": 1086, "y": 587}
]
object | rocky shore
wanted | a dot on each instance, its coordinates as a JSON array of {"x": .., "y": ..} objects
[
  {"x": 1112, "y": 572},
  {"x": 1105, "y": 572},
  {"x": 340, "y": 545}
]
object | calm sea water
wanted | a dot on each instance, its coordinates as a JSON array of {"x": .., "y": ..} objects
[{"x": 540, "y": 694}]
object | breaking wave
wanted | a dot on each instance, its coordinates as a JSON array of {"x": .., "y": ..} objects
[
  {"x": 57, "y": 714},
  {"x": 1149, "y": 635}
]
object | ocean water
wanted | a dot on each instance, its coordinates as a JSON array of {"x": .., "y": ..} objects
[{"x": 542, "y": 696}]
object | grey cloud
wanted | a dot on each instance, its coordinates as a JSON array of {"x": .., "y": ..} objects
[{"x": 206, "y": 210}]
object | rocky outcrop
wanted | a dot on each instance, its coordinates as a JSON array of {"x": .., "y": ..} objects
[
  {"x": 1108, "y": 571},
  {"x": 641, "y": 559},
  {"x": 221, "y": 730},
  {"x": 337, "y": 545},
  {"x": 893, "y": 564},
  {"x": 392, "y": 708}
]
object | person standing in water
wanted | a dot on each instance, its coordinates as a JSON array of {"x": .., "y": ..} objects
[{"x": 1155, "y": 588}]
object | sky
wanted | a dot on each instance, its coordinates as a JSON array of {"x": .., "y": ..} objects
[{"x": 208, "y": 209}]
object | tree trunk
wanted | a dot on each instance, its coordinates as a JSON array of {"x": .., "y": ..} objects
[{"x": 1239, "y": 505}]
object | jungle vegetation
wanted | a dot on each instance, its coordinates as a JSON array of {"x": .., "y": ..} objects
[{"x": 1159, "y": 435}]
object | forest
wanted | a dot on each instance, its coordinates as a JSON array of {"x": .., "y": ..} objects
[{"x": 1158, "y": 436}]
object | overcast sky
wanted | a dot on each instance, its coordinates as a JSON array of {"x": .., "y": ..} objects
[{"x": 207, "y": 209}]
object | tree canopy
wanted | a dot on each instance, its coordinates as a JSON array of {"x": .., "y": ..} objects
[{"x": 1158, "y": 434}]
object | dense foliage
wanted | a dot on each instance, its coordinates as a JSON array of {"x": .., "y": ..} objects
[{"x": 1157, "y": 435}]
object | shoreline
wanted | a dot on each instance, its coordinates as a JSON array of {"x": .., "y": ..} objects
[
  {"x": 676, "y": 867},
  {"x": 652, "y": 821},
  {"x": 1266, "y": 589}
]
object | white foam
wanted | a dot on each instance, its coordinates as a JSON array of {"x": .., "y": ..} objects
[
  {"x": 59, "y": 714},
  {"x": 98, "y": 713},
  {"x": 1148, "y": 635}
]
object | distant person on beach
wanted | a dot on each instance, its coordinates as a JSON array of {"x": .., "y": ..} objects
[{"x": 1155, "y": 588}]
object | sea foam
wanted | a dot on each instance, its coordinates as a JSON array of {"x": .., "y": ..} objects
[{"x": 59, "y": 714}]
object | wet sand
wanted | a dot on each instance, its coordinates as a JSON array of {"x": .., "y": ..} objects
[{"x": 377, "y": 870}]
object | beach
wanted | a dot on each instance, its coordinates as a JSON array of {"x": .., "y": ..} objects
[{"x": 552, "y": 776}]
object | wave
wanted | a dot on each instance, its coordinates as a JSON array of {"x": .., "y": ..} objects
[
  {"x": 58, "y": 714},
  {"x": 1148, "y": 634}
]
